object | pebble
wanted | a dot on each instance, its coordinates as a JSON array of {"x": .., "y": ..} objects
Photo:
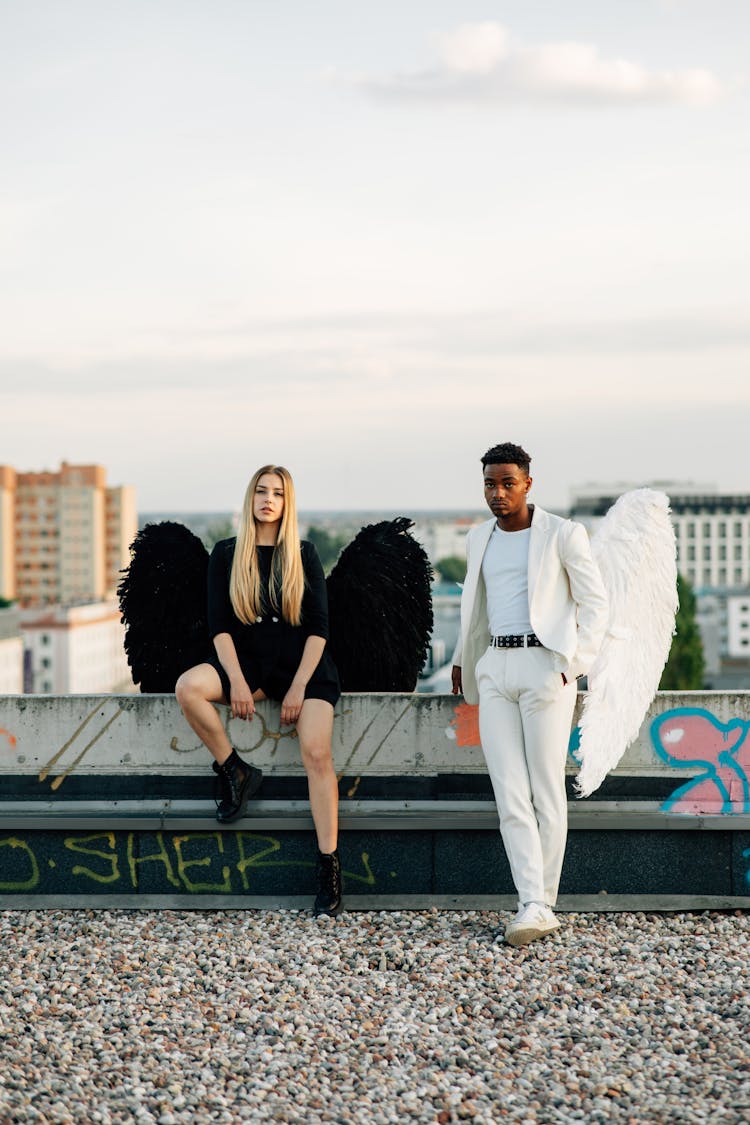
[{"x": 374, "y": 1018}]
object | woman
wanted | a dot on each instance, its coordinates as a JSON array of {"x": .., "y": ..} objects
[{"x": 268, "y": 617}]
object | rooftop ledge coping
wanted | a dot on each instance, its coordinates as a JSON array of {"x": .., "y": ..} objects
[{"x": 698, "y": 740}]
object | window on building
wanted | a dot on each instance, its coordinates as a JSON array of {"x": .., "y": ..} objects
[
  {"x": 722, "y": 529},
  {"x": 738, "y": 529},
  {"x": 706, "y": 576},
  {"x": 738, "y": 550},
  {"x": 737, "y": 575},
  {"x": 45, "y": 638},
  {"x": 691, "y": 530},
  {"x": 706, "y": 529},
  {"x": 691, "y": 552},
  {"x": 706, "y": 551},
  {"x": 722, "y": 551},
  {"x": 722, "y": 576}
]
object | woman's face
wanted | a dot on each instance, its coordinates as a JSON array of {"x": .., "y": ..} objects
[{"x": 268, "y": 501}]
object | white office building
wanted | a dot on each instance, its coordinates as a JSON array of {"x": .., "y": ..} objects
[
  {"x": 712, "y": 531},
  {"x": 75, "y": 649},
  {"x": 442, "y": 537},
  {"x": 11, "y": 652}
]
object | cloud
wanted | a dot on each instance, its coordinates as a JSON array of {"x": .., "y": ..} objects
[
  {"x": 375, "y": 345},
  {"x": 481, "y": 62}
]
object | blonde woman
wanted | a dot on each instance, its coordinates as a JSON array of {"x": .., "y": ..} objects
[{"x": 268, "y": 617}]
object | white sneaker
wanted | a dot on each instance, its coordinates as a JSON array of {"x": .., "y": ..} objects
[{"x": 535, "y": 921}]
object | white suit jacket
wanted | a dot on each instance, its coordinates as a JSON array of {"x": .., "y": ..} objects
[{"x": 567, "y": 601}]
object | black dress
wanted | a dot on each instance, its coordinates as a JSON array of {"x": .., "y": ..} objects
[{"x": 270, "y": 650}]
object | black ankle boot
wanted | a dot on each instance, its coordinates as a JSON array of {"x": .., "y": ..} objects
[
  {"x": 328, "y": 898},
  {"x": 238, "y": 781}
]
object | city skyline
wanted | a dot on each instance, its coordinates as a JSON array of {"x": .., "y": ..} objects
[{"x": 369, "y": 243}]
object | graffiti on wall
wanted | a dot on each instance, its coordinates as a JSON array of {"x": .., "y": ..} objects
[
  {"x": 692, "y": 738},
  {"x": 464, "y": 728},
  {"x": 79, "y": 753},
  {"x": 258, "y": 730},
  {"x": 58, "y": 767},
  {"x": 246, "y": 737},
  {"x": 161, "y": 862}
]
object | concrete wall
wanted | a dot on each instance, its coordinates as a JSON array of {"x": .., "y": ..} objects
[
  {"x": 695, "y": 743},
  {"x": 107, "y": 799}
]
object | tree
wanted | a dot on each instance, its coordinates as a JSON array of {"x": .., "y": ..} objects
[
  {"x": 452, "y": 568},
  {"x": 219, "y": 529},
  {"x": 684, "y": 668},
  {"x": 328, "y": 546}
]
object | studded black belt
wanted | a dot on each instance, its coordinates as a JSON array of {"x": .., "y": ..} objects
[{"x": 516, "y": 640}]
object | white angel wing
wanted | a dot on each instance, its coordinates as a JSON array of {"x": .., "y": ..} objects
[{"x": 634, "y": 547}]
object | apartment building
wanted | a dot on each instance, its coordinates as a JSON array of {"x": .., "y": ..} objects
[
  {"x": 444, "y": 536},
  {"x": 712, "y": 531},
  {"x": 64, "y": 536},
  {"x": 11, "y": 652},
  {"x": 75, "y": 649}
]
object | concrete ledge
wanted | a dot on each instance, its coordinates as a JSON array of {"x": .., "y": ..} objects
[
  {"x": 685, "y": 735},
  {"x": 373, "y": 815},
  {"x": 155, "y": 838},
  {"x": 573, "y": 904}
]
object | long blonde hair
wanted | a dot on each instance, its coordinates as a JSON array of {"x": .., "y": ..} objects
[{"x": 287, "y": 582}]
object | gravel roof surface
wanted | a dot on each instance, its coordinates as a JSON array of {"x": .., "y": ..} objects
[{"x": 163, "y": 1016}]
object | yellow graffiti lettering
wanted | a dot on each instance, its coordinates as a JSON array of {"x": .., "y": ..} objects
[
  {"x": 77, "y": 844},
  {"x": 159, "y": 856},
  {"x": 256, "y": 859},
  {"x": 183, "y": 864},
  {"x": 368, "y": 878},
  {"x": 33, "y": 879},
  {"x": 44, "y": 772}
]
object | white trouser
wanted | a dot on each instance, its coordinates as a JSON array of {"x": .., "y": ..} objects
[{"x": 525, "y": 715}]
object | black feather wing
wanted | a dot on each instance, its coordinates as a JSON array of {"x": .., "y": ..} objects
[
  {"x": 380, "y": 609},
  {"x": 163, "y": 605}
]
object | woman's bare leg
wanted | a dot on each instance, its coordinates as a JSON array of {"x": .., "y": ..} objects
[
  {"x": 197, "y": 690},
  {"x": 314, "y": 730}
]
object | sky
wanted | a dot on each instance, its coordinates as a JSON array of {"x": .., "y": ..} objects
[{"x": 369, "y": 241}]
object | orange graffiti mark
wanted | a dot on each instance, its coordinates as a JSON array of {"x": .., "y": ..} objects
[
  {"x": 465, "y": 722},
  {"x": 12, "y": 740}
]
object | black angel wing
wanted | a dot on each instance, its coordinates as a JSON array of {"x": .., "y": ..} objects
[
  {"x": 380, "y": 609},
  {"x": 163, "y": 605}
]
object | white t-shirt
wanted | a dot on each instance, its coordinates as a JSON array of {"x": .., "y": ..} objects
[{"x": 505, "y": 570}]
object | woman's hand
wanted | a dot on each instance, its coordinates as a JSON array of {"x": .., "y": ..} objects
[
  {"x": 291, "y": 704},
  {"x": 241, "y": 699}
]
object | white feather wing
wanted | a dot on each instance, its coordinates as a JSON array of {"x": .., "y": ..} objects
[{"x": 634, "y": 547}]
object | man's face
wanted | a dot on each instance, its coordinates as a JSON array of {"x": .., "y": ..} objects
[{"x": 505, "y": 490}]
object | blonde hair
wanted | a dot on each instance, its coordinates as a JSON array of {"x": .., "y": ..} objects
[{"x": 287, "y": 581}]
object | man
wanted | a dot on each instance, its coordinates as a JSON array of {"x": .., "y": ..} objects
[{"x": 533, "y": 614}]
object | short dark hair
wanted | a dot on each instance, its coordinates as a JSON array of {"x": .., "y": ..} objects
[{"x": 507, "y": 454}]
